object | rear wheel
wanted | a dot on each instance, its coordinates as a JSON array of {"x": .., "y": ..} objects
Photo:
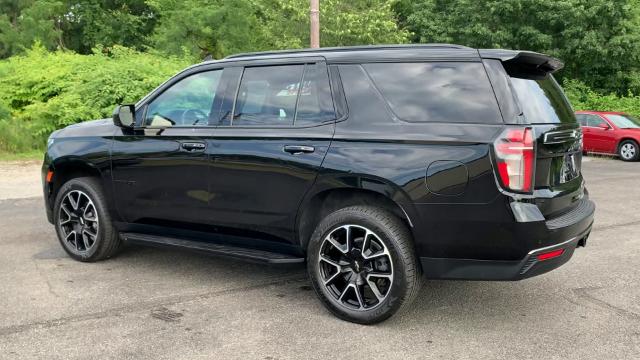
[
  {"x": 362, "y": 264},
  {"x": 629, "y": 150},
  {"x": 83, "y": 224}
]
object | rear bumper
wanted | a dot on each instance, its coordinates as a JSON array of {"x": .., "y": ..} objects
[{"x": 565, "y": 232}]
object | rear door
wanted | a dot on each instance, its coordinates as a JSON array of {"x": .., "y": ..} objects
[{"x": 274, "y": 131}]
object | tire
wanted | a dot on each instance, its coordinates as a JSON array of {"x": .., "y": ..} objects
[
  {"x": 80, "y": 207},
  {"x": 385, "y": 260},
  {"x": 629, "y": 150}
]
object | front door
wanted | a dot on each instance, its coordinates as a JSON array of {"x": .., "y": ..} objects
[
  {"x": 592, "y": 135},
  {"x": 160, "y": 168},
  {"x": 266, "y": 156},
  {"x": 600, "y": 137}
]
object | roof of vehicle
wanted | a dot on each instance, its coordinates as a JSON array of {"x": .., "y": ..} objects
[
  {"x": 521, "y": 60},
  {"x": 329, "y": 50}
]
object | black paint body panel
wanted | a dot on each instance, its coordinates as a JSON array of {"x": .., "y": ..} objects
[{"x": 243, "y": 189}]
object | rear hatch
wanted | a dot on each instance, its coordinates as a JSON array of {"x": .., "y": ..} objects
[{"x": 531, "y": 97}]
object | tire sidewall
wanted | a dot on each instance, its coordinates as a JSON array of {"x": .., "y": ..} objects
[
  {"x": 398, "y": 290},
  {"x": 87, "y": 188},
  {"x": 635, "y": 144}
]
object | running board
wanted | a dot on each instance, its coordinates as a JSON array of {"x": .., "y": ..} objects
[{"x": 253, "y": 255}]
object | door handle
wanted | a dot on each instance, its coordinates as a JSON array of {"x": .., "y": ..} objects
[
  {"x": 299, "y": 149},
  {"x": 193, "y": 146}
]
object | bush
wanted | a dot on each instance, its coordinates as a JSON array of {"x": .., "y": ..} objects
[
  {"x": 584, "y": 98},
  {"x": 43, "y": 91}
]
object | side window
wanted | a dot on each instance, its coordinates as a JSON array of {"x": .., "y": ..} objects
[
  {"x": 315, "y": 104},
  {"x": 581, "y": 119},
  {"x": 595, "y": 121},
  {"x": 437, "y": 91},
  {"x": 186, "y": 103},
  {"x": 268, "y": 95}
]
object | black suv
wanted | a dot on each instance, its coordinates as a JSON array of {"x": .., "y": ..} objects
[{"x": 372, "y": 164}]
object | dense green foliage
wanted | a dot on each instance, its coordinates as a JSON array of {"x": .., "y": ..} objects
[
  {"x": 43, "y": 91},
  {"x": 584, "y": 98},
  {"x": 93, "y": 54},
  {"x": 196, "y": 27},
  {"x": 599, "y": 40},
  {"x": 78, "y": 25},
  {"x": 213, "y": 27}
]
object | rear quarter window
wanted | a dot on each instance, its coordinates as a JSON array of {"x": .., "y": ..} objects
[
  {"x": 542, "y": 101},
  {"x": 457, "y": 92}
]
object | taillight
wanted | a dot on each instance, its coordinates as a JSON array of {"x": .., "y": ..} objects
[{"x": 515, "y": 158}]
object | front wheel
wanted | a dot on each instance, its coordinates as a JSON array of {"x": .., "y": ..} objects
[
  {"x": 362, "y": 264},
  {"x": 82, "y": 221},
  {"x": 629, "y": 150}
]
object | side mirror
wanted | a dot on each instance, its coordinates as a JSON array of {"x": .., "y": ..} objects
[
  {"x": 604, "y": 126},
  {"x": 124, "y": 115}
]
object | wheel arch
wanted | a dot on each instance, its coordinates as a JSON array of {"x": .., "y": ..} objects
[
  {"x": 625, "y": 138},
  {"x": 67, "y": 168},
  {"x": 321, "y": 203}
]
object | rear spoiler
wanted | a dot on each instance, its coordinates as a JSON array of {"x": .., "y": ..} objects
[{"x": 518, "y": 62}]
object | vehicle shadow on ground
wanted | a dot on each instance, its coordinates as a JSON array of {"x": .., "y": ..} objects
[
  {"x": 450, "y": 301},
  {"x": 453, "y": 301}
]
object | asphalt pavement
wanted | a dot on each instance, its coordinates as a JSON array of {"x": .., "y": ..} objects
[{"x": 161, "y": 304}]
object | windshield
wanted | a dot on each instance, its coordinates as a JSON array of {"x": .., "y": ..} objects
[
  {"x": 624, "y": 121},
  {"x": 542, "y": 101}
]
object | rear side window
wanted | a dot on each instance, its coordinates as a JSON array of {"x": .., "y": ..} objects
[
  {"x": 268, "y": 95},
  {"x": 542, "y": 100},
  {"x": 437, "y": 91},
  {"x": 315, "y": 104},
  {"x": 284, "y": 95}
]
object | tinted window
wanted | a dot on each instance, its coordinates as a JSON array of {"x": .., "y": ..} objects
[
  {"x": 315, "y": 103},
  {"x": 268, "y": 95},
  {"x": 437, "y": 91},
  {"x": 542, "y": 100},
  {"x": 186, "y": 103}
]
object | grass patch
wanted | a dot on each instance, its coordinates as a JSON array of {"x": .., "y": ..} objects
[{"x": 22, "y": 156}]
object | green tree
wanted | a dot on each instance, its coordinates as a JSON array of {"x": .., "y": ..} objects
[
  {"x": 221, "y": 28},
  {"x": 23, "y": 22},
  {"x": 78, "y": 25},
  {"x": 201, "y": 27},
  {"x": 88, "y": 23},
  {"x": 342, "y": 23},
  {"x": 599, "y": 40}
]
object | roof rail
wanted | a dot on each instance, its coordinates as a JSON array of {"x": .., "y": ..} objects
[{"x": 348, "y": 48}]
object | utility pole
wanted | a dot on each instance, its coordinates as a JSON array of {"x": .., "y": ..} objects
[{"x": 314, "y": 14}]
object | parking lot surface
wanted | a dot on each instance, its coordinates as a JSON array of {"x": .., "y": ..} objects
[{"x": 161, "y": 304}]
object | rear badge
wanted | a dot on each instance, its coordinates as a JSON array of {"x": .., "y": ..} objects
[{"x": 569, "y": 170}]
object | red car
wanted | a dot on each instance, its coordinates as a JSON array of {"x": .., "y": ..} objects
[{"x": 607, "y": 132}]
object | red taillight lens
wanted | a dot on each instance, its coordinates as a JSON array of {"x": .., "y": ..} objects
[
  {"x": 515, "y": 158},
  {"x": 550, "y": 255}
]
